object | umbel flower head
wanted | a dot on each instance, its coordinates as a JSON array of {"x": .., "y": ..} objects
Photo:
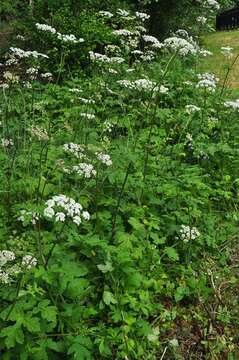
[
  {"x": 60, "y": 208},
  {"x": 188, "y": 233}
]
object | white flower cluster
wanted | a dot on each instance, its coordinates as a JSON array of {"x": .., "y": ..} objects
[
  {"x": 188, "y": 233},
  {"x": 207, "y": 82},
  {"x": 75, "y": 90},
  {"x": 123, "y": 32},
  {"x": 101, "y": 58},
  {"x": 20, "y": 37},
  {"x": 107, "y": 14},
  {"x": 47, "y": 76},
  {"x": 6, "y": 256},
  {"x": 142, "y": 16},
  {"x": 140, "y": 85},
  {"x": 234, "y": 104},
  {"x": 38, "y": 132},
  {"x": 104, "y": 158},
  {"x": 28, "y": 261},
  {"x": 155, "y": 43},
  {"x": 45, "y": 27},
  {"x": 204, "y": 53},
  {"x": 212, "y": 4},
  {"x": 11, "y": 61},
  {"x": 21, "y": 54},
  {"x": 86, "y": 101},
  {"x": 180, "y": 45},
  {"x": 10, "y": 77},
  {"x": 201, "y": 20},
  {"x": 69, "y": 38},
  {"x": 227, "y": 51},
  {"x": 75, "y": 149},
  {"x": 31, "y": 216},
  {"x": 62, "y": 37},
  {"x": 61, "y": 207},
  {"x": 7, "y": 142},
  {"x": 86, "y": 170},
  {"x": 88, "y": 116},
  {"x": 191, "y": 109},
  {"x": 108, "y": 126},
  {"x": 122, "y": 12},
  {"x": 32, "y": 71},
  {"x": 7, "y": 270}
]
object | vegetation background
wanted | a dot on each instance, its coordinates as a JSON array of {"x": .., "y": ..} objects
[{"x": 119, "y": 181}]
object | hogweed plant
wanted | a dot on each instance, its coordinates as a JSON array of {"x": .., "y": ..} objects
[{"x": 117, "y": 186}]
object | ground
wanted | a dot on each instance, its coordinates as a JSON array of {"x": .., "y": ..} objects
[{"x": 217, "y": 63}]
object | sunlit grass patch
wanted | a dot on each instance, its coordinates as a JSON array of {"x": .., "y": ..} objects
[{"x": 218, "y": 63}]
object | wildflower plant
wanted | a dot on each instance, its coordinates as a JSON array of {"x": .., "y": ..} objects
[{"x": 119, "y": 184}]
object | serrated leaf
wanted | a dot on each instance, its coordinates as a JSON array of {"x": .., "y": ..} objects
[
  {"x": 81, "y": 348},
  {"x": 171, "y": 253},
  {"x": 108, "y": 298},
  {"x": 105, "y": 268}
]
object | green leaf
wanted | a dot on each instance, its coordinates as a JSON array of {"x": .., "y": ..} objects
[
  {"x": 32, "y": 324},
  {"x": 105, "y": 268},
  {"x": 171, "y": 253},
  {"x": 81, "y": 348},
  {"x": 13, "y": 335},
  {"x": 108, "y": 298}
]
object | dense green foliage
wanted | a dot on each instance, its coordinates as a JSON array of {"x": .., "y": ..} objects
[{"x": 150, "y": 150}]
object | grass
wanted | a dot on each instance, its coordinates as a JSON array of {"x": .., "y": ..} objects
[{"x": 218, "y": 63}]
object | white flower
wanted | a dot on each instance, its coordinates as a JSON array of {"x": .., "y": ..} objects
[
  {"x": 212, "y": 4},
  {"x": 75, "y": 149},
  {"x": 104, "y": 158},
  {"x": 87, "y": 101},
  {"x": 29, "y": 261},
  {"x": 4, "y": 86},
  {"x": 234, "y": 104},
  {"x": 45, "y": 27},
  {"x": 201, "y": 20},
  {"x": 6, "y": 256},
  {"x": 123, "y": 32},
  {"x": 77, "y": 220},
  {"x": 4, "y": 277},
  {"x": 20, "y": 37},
  {"x": 7, "y": 142},
  {"x": 207, "y": 82},
  {"x": 122, "y": 12},
  {"x": 106, "y": 14},
  {"x": 205, "y": 53},
  {"x": 86, "y": 215},
  {"x": 47, "y": 76},
  {"x": 227, "y": 51},
  {"x": 181, "y": 46},
  {"x": 69, "y": 38},
  {"x": 69, "y": 209},
  {"x": 32, "y": 71},
  {"x": 101, "y": 58},
  {"x": 75, "y": 90},
  {"x": 142, "y": 16},
  {"x": 188, "y": 233},
  {"x": 140, "y": 85},
  {"x": 32, "y": 216},
  {"x": 87, "y": 170},
  {"x": 163, "y": 89},
  {"x": 26, "y": 54},
  {"x": 153, "y": 41},
  {"x": 49, "y": 212},
  {"x": 190, "y": 109},
  {"x": 88, "y": 116},
  {"x": 60, "y": 216}
]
